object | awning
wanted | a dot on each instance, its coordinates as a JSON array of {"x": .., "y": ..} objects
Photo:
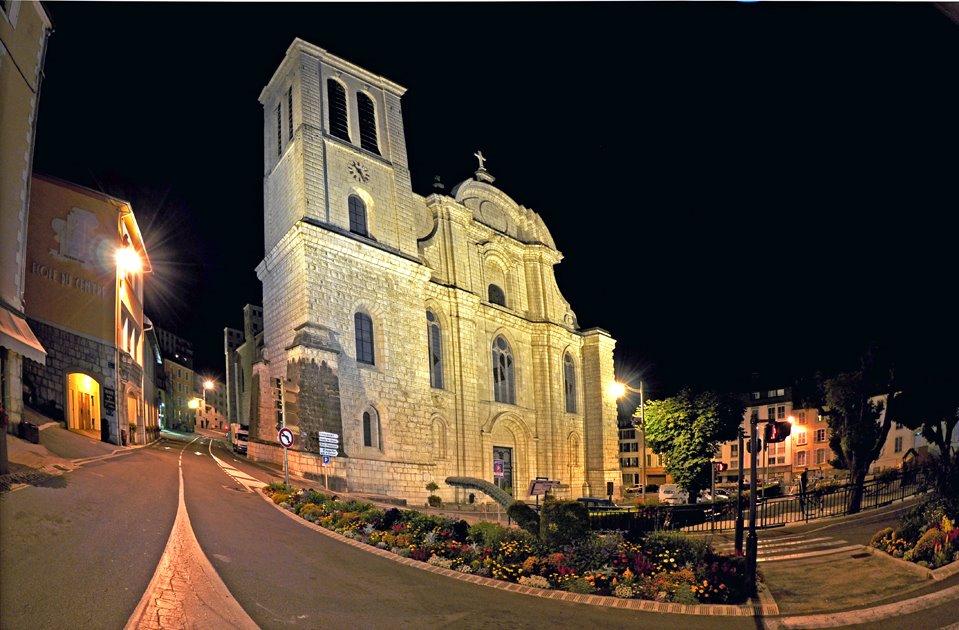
[{"x": 16, "y": 335}]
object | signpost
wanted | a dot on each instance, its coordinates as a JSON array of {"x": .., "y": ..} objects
[
  {"x": 329, "y": 445},
  {"x": 540, "y": 487},
  {"x": 285, "y": 437},
  {"x": 499, "y": 470}
]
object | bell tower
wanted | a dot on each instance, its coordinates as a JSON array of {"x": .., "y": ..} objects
[{"x": 334, "y": 151}]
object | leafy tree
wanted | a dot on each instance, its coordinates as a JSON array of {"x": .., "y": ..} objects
[
  {"x": 929, "y": 403},
  {"x": 853, "y": 405},
  {"x": 687, "y": 430}
]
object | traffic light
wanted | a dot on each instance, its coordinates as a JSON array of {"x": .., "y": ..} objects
[
  {"x": 291, "y": 408},
  {"x": 749, "y": 445},
  {"x": 777, "y": 432},
  {"x": 721, "y": 466}
]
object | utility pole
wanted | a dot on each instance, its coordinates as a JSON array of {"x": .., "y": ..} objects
[
  {"x": 739, "y": 496},
  {"x": 642, "y": 423},
  {"x": 752, "y": 546}
]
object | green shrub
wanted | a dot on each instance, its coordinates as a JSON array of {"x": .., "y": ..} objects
[
  {"x": 487, "y": 534},
  {"x": 434, "y": 501},
  {"x": 281, "y": 497},
  {"x": 563, "y": 523},
  {"x": 684, "y": 595},
  {"x": 525, "y": 516},
  {"x": 311, "y": 511},
  {"x": 674, "y": 550},
  {"x": 593, "y": 552},
  {"x": 876, "y": 540},
  {"x": 578, "y": 585},
  {"x": 925, "y": 549}
]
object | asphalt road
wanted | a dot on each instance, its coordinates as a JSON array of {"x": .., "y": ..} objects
[{"x": 80, "y": 552}]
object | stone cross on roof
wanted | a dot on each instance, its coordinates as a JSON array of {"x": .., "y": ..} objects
[{"x": 482, "y": 174}]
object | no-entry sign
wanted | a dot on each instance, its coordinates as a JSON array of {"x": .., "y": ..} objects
[{"x": 286, "y": 437}]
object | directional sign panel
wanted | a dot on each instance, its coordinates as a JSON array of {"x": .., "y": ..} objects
[
  {"x": 329, "y": 451},
  {"x": 285, "y": 436}
]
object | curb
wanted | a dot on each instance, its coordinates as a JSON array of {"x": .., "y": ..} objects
[
  {"x": 942, "y": 573},
  {"x": 766, "y": 606}
]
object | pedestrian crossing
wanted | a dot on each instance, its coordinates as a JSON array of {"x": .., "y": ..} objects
[
  {"x": 245, "y": 480},
  {"x": 794, "y": 547}
]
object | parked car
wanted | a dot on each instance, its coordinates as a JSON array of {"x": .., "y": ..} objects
[
  {"x": 651, "y": 488},
  {"x": 721, "y": 495},
  {"x": 672, "y": 494},
  {"x": 594, "y": 504}
]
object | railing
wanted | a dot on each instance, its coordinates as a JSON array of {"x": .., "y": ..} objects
[{"x": 770, "y": 511}]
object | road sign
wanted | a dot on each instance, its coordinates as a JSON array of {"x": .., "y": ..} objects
[
  {"x": 326, "y": 460},
  {"x": 498, "y": 469},
  {"x": 329, "y": 451},
  {"x": 285, "y": 436}
]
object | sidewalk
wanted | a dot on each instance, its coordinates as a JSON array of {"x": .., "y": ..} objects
[{"x": 59, "y": 451}]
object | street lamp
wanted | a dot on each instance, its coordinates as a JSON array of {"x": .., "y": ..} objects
[
  {"x": 619, "y": 390},
  {"x": 207, "y": 385}
]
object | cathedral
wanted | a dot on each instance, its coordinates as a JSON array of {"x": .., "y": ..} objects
[{"x": 415, "y": 338}]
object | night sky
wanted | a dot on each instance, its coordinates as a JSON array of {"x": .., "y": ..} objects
[{"x": 736, "y": 187}]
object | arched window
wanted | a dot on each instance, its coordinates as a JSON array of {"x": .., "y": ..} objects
[
  {"x": 364, "y": 338},
  {"x": 339, "y": 125},
  {"x": 496, "y": 295},
  {"x": 504, "y": 382},
  {"x": 357, "y": 216},
  {"x": 367, "y": 116},
  {"x": 371, "y": 428},
  {"x": 569, "y": 381},
  {"x": 435, "y": 340},
  {"x": 439, "y": 439}
]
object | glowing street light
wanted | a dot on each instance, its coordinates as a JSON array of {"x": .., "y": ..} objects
[
  {"x": 618, "y": 390},
  {"x": 194, "y": 403}
]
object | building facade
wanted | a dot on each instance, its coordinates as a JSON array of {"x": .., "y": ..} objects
[
  {"x": 427, "y": 334},
  {"x": 632, "y": 450},
  {"x": 86, "y": 262},
  {"x": 24, "y": 31},
  {"x": 243, "y": 349}
]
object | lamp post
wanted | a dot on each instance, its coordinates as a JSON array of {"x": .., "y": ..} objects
[
  {"x": 207, "y": 385},
  {"x": 619, "y": 390},
  {"x": 752, "y": 546}
]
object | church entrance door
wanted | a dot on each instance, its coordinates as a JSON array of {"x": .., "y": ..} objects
[{"x": 503, "y": 467}]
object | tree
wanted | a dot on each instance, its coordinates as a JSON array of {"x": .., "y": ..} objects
[
  {"x": 929, "y": 403},
  {"x": 687, "y": 430},
  {"x": 853, "y": 404}
]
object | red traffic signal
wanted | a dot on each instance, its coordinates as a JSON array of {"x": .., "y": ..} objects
[
  {"x": 777, "y": 432},
  {"x": 721, "y": 466}
]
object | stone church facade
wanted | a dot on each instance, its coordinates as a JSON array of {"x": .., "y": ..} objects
[{"x": 429, "y": 333}]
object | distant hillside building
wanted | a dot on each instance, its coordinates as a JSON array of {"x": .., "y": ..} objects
[
  {"x": 181, "y": 386},
  {"x": 428, "y": 333},
  {"x": 242, "y": 348}
]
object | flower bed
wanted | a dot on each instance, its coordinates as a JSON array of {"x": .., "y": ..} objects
[
  {"x": 925, "y": 535},
  {"x": 663, "y": 566}
]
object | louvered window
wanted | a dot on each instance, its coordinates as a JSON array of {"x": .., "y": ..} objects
[
  {"x": 496, "y": 295},
  {"x": 367, "y": 115},
  {"x": 289, "y": 116},
  {"x": 339, "y": 124},
  {"x": 569, "y": 373},
  {"x": 357, "y": 216},
  {"x": 434, "y": 336},
  {"x": 279, "y": 132}
]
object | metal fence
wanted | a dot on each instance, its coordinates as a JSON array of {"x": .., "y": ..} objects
[{"x": 771, "y": 511}]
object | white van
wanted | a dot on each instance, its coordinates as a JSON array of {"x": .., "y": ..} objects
[{"x": 672, "y": 494}]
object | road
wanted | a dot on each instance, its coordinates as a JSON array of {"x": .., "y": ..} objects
[{"x": 81, "y": 554}]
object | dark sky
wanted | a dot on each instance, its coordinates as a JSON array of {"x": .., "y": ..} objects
[{"x": 736, "y": 187}]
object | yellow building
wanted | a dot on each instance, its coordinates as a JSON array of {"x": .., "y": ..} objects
[
  {"x": 84, "y": 292},
  {"x": 24, "y": 29}
]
